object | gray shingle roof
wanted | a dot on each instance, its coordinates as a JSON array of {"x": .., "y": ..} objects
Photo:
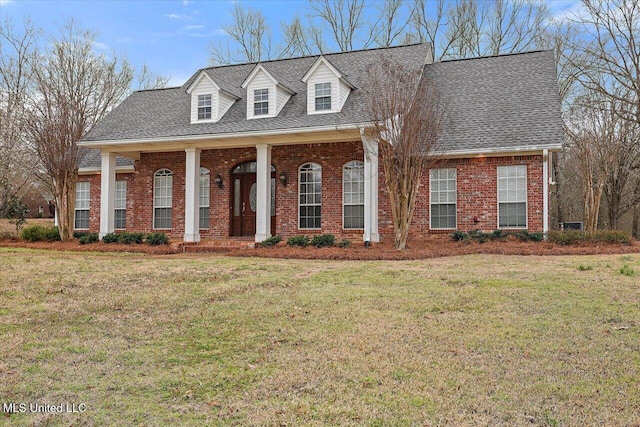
[
  {"x": 166, "y": 113},
  {"x": 498, "y": 102}
]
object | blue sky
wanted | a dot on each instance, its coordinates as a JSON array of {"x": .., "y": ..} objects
[{"x": 171, "y": 37}]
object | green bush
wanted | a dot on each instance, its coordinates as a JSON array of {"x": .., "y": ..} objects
[
  {"x": 35, "y": 233},
  {"x": 478, "y": 236},
  {"x": 271, "y": 241},
  {"x": 89, "y": 238},
  {"x": 298, "y": 241},
  {"x": 459, "y": 236},
  {"x": 110, "y": 238},
  {"x": 131, "y": 238},
  {"x": 38, "y": 233},
  {"x": 497, "y": 235},
  {"x": 323, "y": 240},
  {"x": 344, "y": 243},
  {"x": 572, "y": 237},
  {"x": 155, "y": 239}
]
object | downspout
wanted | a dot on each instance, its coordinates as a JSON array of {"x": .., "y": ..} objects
[{"x": 545, "y": 190}]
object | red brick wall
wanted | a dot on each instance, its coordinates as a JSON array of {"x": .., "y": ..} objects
[{"x": 476, "y": 186}]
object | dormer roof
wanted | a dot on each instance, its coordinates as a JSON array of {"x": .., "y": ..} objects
[
  {"x": 218, "y": 83},
  {"x": 277, "y": 80},
  {"x": 322, "y": 60}
]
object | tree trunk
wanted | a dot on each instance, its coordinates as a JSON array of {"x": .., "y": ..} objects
[{"x": 635, "y": 225}]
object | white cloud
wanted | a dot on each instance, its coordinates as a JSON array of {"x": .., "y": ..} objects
[
  {"x": 5, "y": 2},
  {"x": 192, "y": 27},
  {"x": 173, "y": 16},
  {"x": 101, "y": 47},
  {"x": 185, "y": 2},
  {"x": 566, "y": 9}
]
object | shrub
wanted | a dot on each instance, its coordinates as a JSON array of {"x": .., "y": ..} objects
[
  {"x": 79, "y": 234},
  {"x": 17, "y": 213},
  {"x": 89, "y": 238},
  {"x": 478, "y": 236},
  {"x": 571, "y": 237},
  {"x": 37, "y": 233},
  {"x": 7, "y": 235},
  {"x": 344, "y": 243},
  {"x": 298, "y": 241},
  {"x": 323, "y": 240},
  {"x": 459, "y": 236},
  {"x": 131, "y": 238},
  {"x": 497, "y": 235},
  {"x": 110, "y": 238},
  {"x": 155, "y": 239},
  {"x": 271, "y": 241}
]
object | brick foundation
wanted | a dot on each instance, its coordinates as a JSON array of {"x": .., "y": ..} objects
[{"x": 476, "y": 187}]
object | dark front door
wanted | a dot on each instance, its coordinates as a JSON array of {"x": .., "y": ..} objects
[
  {"x": 244, "y": 204},
  {"x": 244, "y": 200}
]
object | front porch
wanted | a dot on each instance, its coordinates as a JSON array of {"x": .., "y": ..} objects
[{"x": 254, "y": 191}]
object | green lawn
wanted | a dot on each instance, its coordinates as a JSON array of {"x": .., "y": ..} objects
[{"x": 471, "y": 340}]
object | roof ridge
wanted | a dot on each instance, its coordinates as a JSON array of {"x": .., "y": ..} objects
[
  {"x": 493, "y": 56},
  {"x": 158, "y": 88},
  {"x": 314, "y": 56}
]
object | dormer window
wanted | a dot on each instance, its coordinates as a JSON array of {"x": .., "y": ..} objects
[
  {"x": 204, "y": 107},
  {"x": 260, "y": 102},
  {"x": 323, "y": 96}
]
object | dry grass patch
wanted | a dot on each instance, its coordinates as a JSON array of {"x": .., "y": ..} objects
[{"x": 479, "y": 339}]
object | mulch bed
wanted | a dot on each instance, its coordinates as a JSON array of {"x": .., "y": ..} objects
[{"x": 422, "y": 249}]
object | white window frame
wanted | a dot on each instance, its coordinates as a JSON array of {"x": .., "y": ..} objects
[
  {"x": 82, "y": 203},
  {"x": 354, "y": 165},
  {"x": 205, "y": 101},
  {"x": 320, "y": 92},
  {"x": 313, "y": 169},
  {"x": 260, "y": 96},
  {"x": 205, "y": 198},
  {"x": 120, "y": 203},
  {"x": 432, "y": 181},
  {"x": 165, "y": 177},
  {"x": 519, "y": 197}
]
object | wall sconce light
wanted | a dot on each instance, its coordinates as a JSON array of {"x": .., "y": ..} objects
[
  {"x": 283, "y": 178},
  {"x": 218, "y": 180}
]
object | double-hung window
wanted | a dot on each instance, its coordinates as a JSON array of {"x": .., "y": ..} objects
[
  {"x": 83, "y": 198},
  {"x": 162, "y": 199},
  {"x": 120, "y": 202},
  {"x": 323, "y": 96},
  {"x": 205, "y": 190},
  {"x": 442, "y": 186},
  {"x": 310, "y": 196},
  {"x": 260, "y": 102},
  {"x": 204, "y": 107},
  {"x": 353, "y": 195},
  {"x": 512, "y": 196}
]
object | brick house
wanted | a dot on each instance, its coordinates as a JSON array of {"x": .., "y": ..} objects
[{"x": 254, "y": 150}]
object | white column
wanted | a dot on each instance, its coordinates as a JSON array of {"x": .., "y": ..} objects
[
  {"x": 107, "y": 192},
  {"x": 192, "y": 196},
  {"x": 545, "y": 190},
  {"x": 370, "y": 189},
  {"x": 263, "y": 199}
]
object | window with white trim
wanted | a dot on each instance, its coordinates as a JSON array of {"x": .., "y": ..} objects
[
  {"x": 443, "y": 197},
  {"x": 260, "y": 102},
  {"x": 204, "y": 107},
  {"x": 120, "y": 206},
  {"x": 310, "y": 196},
  {"x": 205, "y": 190},
  {"x": 83, "y": 200},
  {"x": 353, "y": 195},
  {"x": 323, "y": 96},
  {"x": 162, "y": 199},
  {"x": 512, "y": 196}
]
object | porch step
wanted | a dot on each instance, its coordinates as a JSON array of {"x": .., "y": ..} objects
[{"x": 217, "y": 245}]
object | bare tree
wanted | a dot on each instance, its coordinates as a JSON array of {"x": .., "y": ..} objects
[
  {"x": 74, "y": 89},
  {"x": 610, "y": 60},
  {"x": 250, "y": 33},
  {"x": 301, "y": 41},
  {"x": 407, "y": 116},
  {"x": 468, "y": 28},
  {"x": 17, "y": 52},
  {"x": 147, "y": 79},
  {"x": 594, "y": 131},
  {"x": 391, "y": 24},
  {"x": 344, "y": 18}
]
